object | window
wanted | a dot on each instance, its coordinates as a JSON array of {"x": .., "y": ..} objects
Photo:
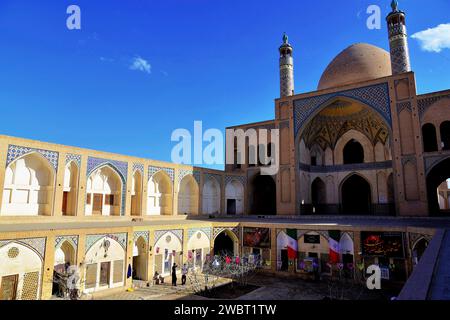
[
  {"x": 88, "y": 198},
  {"x": 109, "y": 199},
  {"x": 353, "y": 152},
  {"x": 314, "y": 161}
]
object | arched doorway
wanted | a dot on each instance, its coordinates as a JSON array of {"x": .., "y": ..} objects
[
  {"x": 160, "y": 195},
  {"x": 104, "y": 265},
  {"x": 29, "y": 186},
  {"x": 211, "y": 196},
  {"x": 318, "y": 194},
  {"x": 224, "y": 244},
  {"x": 429, "y": 138},
  {"x": 264, "y": 196},
  {"x": 20, "y": 272},
  {"x": 356, "y": 196},
  {"x": 419, "y": 249},
  {"x": 104, "y": 192},
  {"x": 234, "y": 197},
  {"x": 136, "y": 194},
  {"x": 436, "y": 177},
  {"x": 353, "y": 152},
  {"x": 65, "y": 257},
  {"x": 198, "y": 247},
  {"x": 140, "y": 259},
  {"x": 445, "y": 135},
  {"x": 168, "y": 250},
  {"x": 69, "y": 203},
  {"x": 188, "y": 196}
]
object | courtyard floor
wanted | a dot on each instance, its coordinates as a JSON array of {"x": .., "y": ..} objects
[{"x": 270, "y": 288}]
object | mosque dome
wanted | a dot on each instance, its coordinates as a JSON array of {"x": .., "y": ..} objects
[{"x": 359, "y": 62}]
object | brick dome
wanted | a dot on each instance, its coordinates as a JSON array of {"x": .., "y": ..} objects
[{"x": 359, "y": 62}]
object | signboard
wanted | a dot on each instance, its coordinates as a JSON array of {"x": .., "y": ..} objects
[
  {"x": 311, "y": 238},
  {"x": 257, "y": 237},
  {"x": 382, "y": 244}
]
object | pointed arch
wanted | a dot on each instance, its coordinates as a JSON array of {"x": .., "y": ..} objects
[
  {"x": 105, "y": 191},
  {"x": 24, "y": 266},
  {"x": 65, "y": 253},
  {"x": 188, "y": 196},
  {"x": 168, "y": 250},
  {"x": 318, "y": 192},
  {"x": 136, "y": 193},
  {"x": 104, "y": 265},
  {"x": 29, "y": 186},
  {"x": 140, "y": 257},
  {"x": 160, "y": 194},
  {"x": 211, "y": 196},
  {"x": 234, "y": 197},
  {"x": 356, "y": 195},
  {"x": 70, "y": 189}
]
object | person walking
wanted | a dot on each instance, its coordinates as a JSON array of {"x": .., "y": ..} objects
[
  {"x": 184, "y": 272},
  {"x": 174, "y": 275}
]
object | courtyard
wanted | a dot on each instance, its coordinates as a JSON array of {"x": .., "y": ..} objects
[{"x": 266, "y": 287}]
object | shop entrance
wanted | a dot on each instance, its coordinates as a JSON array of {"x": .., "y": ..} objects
[
  {"x": 356, "y": 196},
  {"x": 8, "y": 288},
  {"x": 284, "y": 260},
  {"x": 223, "y": 244},
  {"x": 437, "y": 188},
  {"x": 231, "y": 206},
  {"x": 264, "y": 196}
]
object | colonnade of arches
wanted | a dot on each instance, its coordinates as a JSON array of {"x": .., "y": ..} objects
[
  {"x": 430, "y": 137},
  {"x": 30, "y": 190}
]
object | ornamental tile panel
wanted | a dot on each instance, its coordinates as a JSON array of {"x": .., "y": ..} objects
[
  {"x": 121, "y": 238},
  {"x": 183, "y": 173},
  {"x": 170, "y": 172},
  {"x": 193, "y": 231},
  {"x": 119, "y": 166},
  {"x": 177, "y": 232},
  {"x": 38, "y": 244},
  {"x": 73, "y": 157},
  {"x": 15, "y": 152},
  {"x": 143, "y": 234},
  {"x": 138, "y": 167},
  {"x": 376, "y": 96},
  {"x": 60, "y": 240}
]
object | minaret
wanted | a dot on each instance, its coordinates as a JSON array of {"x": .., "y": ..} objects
[
  {"x": 286, "y": 69},
  {"x": 398, "y": 40}
]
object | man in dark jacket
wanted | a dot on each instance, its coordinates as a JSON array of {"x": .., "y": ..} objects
[{"x": 174, "y": 274}]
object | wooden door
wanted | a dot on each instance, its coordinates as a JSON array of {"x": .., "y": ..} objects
[
  {"x": 8, "y": 288},
  {"x": 105, "y": 269},
  {"x": 64, "y": 202},
  {"x": 97, "y": 205}
]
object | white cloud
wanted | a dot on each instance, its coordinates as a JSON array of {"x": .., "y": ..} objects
[
  {"x": 434, "y": 39},
  {"x": 140, "y": 64}
]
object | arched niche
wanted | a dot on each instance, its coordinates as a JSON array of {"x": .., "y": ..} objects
[
  {"x": 211, "y": 196},
  {"x": 234, "y": 197},
  {"x": 136, "y": 193},
  {"x": 160, "y": 194},
  {"x": 70, "y": 191},
  {"x": 188, "y": 196},
  {"x": 29, "y": 186},
  {"x": 104, "y": 192}
]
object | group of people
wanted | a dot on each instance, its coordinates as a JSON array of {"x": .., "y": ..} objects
[{"x": 184, "y": 271}]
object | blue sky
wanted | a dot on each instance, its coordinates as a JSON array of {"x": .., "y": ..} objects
[{"x": 214, "y": 61}]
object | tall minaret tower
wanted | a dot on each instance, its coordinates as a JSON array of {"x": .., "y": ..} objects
[
  {"x": 286, "y": 68},
  {"x": 398, "y": 40}
]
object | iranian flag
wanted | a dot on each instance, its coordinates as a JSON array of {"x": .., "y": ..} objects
[
  {"x": 292, "y": 243},
  {"x": 333, "y": 243}
]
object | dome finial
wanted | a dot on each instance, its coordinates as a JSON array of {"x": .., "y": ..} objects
[
  {"x": 285, "y": 38},
  {"x": 394, "y": 5}
]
